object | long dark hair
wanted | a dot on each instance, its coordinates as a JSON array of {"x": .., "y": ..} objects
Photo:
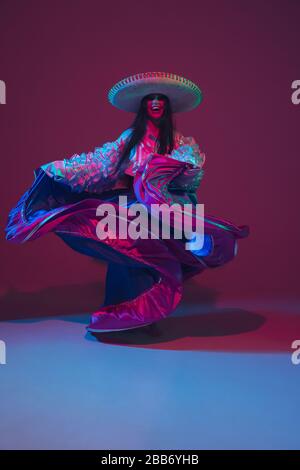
[{"x": 139, "y": 125}]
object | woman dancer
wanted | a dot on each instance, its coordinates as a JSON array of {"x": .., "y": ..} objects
[{"x": 150, "y": 163}]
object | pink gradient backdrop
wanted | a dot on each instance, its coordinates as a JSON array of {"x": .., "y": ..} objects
[{"x": 59, "y": 59}]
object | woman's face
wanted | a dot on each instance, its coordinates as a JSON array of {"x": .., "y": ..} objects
[{"x": 155, "y": 106}]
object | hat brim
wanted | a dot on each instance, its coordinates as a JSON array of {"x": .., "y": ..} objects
[{"x": 127, "y": 94}]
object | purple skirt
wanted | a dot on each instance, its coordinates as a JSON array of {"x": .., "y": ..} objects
[{"x": 145, "y": 277}]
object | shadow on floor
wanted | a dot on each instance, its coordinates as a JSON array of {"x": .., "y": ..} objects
[{"x": 188, "y": 328}]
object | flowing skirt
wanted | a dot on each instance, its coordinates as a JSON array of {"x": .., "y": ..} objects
[{"x": 145, "y": 276}]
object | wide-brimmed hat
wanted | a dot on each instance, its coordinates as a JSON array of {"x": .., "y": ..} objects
[{"x": 183, "y": 94}]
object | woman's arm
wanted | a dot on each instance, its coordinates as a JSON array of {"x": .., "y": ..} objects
[
  {"x": 187, "y": 150},
  {"x": 88, "y": 171}
]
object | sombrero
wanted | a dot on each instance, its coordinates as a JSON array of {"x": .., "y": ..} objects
[{"x": 183, "y": 94}]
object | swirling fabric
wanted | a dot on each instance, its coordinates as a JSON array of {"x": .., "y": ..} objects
[{"x": 64, "y": 198}]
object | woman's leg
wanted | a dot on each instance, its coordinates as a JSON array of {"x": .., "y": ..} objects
[{"x": 126, "y": 282}]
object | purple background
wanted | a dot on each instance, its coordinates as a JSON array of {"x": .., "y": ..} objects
[{"x": 60, "y": 58}]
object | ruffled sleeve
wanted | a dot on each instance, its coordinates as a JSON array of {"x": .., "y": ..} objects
[
  {"x": 90, "y": 171},
  {"x": 187, "y": 150}
]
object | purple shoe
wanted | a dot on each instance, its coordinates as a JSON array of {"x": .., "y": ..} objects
[{"x": 107, "y": 323}]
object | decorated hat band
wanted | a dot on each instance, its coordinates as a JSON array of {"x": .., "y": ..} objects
[{"x": 127, "y": 94}]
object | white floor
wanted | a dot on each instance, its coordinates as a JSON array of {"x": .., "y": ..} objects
[{"x": 63, "y": 389}]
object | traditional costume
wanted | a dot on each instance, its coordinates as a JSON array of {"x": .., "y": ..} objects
[{"x": 145, "y": 276}]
